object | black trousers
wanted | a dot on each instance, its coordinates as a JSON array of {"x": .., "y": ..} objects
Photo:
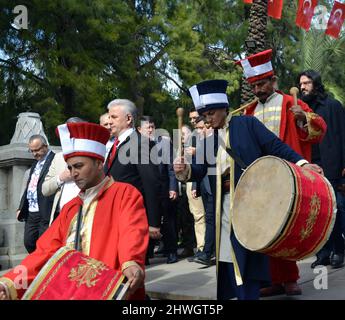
[
  {"x": 35, "y": 226},
  {"x": 169, "y": 226},
  {"x": 207, "y": 200},
  {"x": 185, "y": 221},
  {"x": 228, "y": 289}
]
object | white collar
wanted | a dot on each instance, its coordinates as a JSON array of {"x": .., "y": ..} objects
[{"x": 125, "y": 134}]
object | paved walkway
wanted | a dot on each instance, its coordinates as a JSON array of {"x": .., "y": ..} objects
[
  {"x": 192, "y": 281},
  {"x": 186, "y": 280}
]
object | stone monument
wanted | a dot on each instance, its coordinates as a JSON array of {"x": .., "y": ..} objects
[{"x": 15, "y": 160}]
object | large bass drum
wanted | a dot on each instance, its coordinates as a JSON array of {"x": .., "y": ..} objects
[{"x": 283, "y": 210}]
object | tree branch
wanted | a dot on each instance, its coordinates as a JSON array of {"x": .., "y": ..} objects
[
  {"x": 173, "y": 80},
  {"x": 153, "y": 60},
  {"x": 26, "y": 73}
]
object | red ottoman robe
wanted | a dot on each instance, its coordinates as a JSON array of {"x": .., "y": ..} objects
[{"x": 119, "y": 235}]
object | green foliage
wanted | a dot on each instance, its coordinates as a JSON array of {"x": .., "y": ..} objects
[{"x": 77, "y": 55}]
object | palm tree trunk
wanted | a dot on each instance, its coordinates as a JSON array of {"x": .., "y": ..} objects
[{"x": 257, "y": 32}]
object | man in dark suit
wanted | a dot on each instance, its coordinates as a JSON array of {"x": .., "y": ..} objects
[
  {"x": 163, "y": 150},
  {"x": 34, "y": 208},
  {"x": 129, "y": 160}
]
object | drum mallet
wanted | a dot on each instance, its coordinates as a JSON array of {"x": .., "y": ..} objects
[
  {"x": 294, "y": 92},
  {"x": 179, "y": 113}
]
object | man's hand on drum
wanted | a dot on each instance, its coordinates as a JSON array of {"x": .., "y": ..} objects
[
  {"x": 135, "y": 276},
  {"x": 313, "y": 167},
  {"x": 179, "y": 165}
]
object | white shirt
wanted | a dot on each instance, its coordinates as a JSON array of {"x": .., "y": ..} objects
[
  {"x": 31, "y": 194},
  {"x": 124, "y": 135}
]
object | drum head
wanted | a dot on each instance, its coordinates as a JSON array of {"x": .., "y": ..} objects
[{"x": 263, "y": 201}]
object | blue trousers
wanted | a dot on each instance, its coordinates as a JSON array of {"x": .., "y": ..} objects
[{"x": 228, "y": 289}]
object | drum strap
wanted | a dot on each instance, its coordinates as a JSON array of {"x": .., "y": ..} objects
[
  {"x": 232, "y": 153},
  {"x": 77, "y": 245},
  {"x": 237, "y": 158}
]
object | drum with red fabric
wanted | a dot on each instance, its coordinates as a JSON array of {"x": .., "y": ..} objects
[
  {"x": 71, "y": 275},
  {"x": 283, "y": 210}
]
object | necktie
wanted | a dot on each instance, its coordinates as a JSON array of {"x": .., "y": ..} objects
[{"x": 113, "y": 152}]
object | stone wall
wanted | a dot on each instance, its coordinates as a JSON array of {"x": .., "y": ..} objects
[{"x": 15, "y": 160}]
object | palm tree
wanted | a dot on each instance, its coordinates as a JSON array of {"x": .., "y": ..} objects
[{"x": 257, "y": 34}]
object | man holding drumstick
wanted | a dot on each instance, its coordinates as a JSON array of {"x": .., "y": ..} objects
[
  {"x": 240, "y": 271},
  {"x": 297, "y": 126}
]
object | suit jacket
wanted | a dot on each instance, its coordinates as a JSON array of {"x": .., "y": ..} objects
[
  {"x": 165, "y": 152},
  {"x": 132, "y": 164},
  {"x": 50, "y": 185},
  {"x": 44, "y": 203},
  {"x": 250, "y": 139}
]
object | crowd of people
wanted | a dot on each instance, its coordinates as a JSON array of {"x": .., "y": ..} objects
[{"x": 120, "y": 192}]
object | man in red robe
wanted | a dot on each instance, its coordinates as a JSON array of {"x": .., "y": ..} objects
[
  {"x": 297, "y": 126},
  {"x": 114, "y": 227}
]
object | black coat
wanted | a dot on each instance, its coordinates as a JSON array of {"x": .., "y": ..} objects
[
  {"x": 330, "y": 153},
  {"x": 44, "y": 203},
  {"x": 132, "y": 164},
  {"x": 165, "y": 154}
]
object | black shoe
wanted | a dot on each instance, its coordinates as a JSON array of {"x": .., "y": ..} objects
[
  {"x": 337, "y": 261},
  {"x": 203, "y": 259},
  {"x": 172, "y": 258},
  {"x": 147, "y": 261},
  {"x": 191, "y": 259},
  {"x": 187, "y": 252},
  {"x": 321, "y": 262}
]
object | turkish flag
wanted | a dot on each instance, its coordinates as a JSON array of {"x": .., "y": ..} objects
[
  {"x": 248, "y": 1},
  {"x": 305, "y": 13},
  {"x": 336, "y": 20},
  {"x": 275, "y": 8}
]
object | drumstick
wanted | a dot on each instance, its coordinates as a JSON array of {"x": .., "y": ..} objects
[
  {"x": 294, "y": 92},
  {"x": 245, "y": 106},
  {"x": 179, "y": 113}
]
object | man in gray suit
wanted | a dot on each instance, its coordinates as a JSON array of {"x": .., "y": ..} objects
[{"x": 34, "y": 208}]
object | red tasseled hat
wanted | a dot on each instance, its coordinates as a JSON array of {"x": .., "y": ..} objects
[
  {"x": 83, "y": 139},
  {"x": 257, "y": 66}
]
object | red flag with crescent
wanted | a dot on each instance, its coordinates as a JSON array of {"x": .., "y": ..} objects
[
  {"x": 275, "y": 8},
  {"x": 336, "y": 20},
  {"x": 305, "y": 13}
]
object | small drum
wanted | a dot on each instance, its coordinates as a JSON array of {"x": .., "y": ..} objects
[{"x": 283, "y": 210}]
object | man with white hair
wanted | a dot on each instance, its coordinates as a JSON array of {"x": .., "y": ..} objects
[{"x": 129, "y": 159}]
